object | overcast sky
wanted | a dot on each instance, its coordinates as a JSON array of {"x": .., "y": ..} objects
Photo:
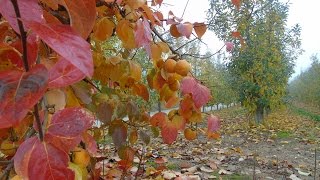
[{"x": 304, "y": 12}]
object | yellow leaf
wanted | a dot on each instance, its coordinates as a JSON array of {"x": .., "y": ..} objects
[{"x": 72, "y": 100}]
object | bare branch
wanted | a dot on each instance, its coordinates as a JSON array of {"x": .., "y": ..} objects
[{"x": 202, "y": 56}]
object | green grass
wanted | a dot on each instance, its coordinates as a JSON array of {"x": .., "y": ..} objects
[
  {"x": 283, "y": 134},
  {"x": 173, "y": 166},
  {"x": 304, "y": 112}
]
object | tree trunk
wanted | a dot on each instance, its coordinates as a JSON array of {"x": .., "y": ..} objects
[
  {"x": 217, "y": 106},
  {"x": 211, "y": 107},
  {"x": 259, "y": 114},
  {"x": 203, "y": 108},
  {"x": 268, "y": 110},
  {"x": 159, "y": 106}
]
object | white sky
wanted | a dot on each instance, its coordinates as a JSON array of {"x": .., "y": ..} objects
[{"x": 303, "y": 12}]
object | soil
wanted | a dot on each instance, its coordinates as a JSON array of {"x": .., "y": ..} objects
[{"x": 282, "y": 148}]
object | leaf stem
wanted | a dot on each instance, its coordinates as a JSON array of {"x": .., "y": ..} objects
[
  {"x": 36, "y": 115},
  {"x": 23, "y": 35}
]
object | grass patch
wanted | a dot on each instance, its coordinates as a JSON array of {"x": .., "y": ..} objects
[
  {"x": 173, "y": 166},
  {"x": 283, "y": 134},
  {"x": 303, "y": 112}
]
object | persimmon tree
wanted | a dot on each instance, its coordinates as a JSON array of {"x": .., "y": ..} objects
[
  {"x": 264, "y": 62},
  {"x": 68, "y": 71}
]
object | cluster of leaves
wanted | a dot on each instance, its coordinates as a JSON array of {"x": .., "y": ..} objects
[
  {"x": 305, "y": 87},
  {"x": 57, "y": 83},
  {"x": 264, "y": 63}
]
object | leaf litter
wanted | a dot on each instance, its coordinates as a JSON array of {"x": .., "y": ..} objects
[{"x": 282, "y": 147}]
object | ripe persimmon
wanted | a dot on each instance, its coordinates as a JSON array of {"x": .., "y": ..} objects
[
  {"x": 81, "y": 157},
  {"x": 190, "y": 134},
  {"x": 182, "y": 67},
  {"x": 170, "y": 65}
]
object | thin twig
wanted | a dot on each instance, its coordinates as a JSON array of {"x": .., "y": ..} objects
[
  {"x": 186, "y": 44},
  {"x": 185, "y": 7},
  {"x": 139, "y": 165},
  {"x": 38, "y": 121},
  {"x": 92, "y": 84},
  {"x": 23, "y": 35},
  {"x": 201, "y": 56}
]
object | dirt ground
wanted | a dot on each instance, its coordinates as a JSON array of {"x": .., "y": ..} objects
[{"x": 282, "y": 148}]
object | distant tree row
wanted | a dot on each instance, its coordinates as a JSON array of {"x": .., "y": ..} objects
[{"x": 305, "y": 88}]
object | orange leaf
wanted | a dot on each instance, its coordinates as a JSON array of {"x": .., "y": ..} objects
[
  {"x": 172, "y": 101},
  {"x": 174, "y": 31},
  {"x": 158, "y": 119},
  {"x": 103, "y": 29},
  {"x": 141, "y": 90},
  {"x": 236, "y": 3},
  {"x": 126, "y": 34},
  {"x": 200, "y": 29}
]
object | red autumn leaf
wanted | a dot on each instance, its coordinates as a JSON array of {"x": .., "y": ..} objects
[
  {"x": 236, "y": 34},
  {"x": 82, "y": 15},
  {"x": 200, "y": 94},
  {"x": 32, "y": 51},
  {"x": 67, "y": 43},
  {"x": 118, "y": 131},
  {"x": 66, "y": 127},
  {"x": 185, "y": 29},
  {"x": 29, "y": 10},
  {"x": 19, "y": 92},
  {"x": 63, "y": 73},
  {"x": 158, "y": 119},
  {"x": 169, "y": 132},
  {"x": 213, "y": 123},
  {"x": 143, "y": 35},
  {"x": 91, "y": 145},
  {"x": 41, "y": 160},
  {"x": 236, "y": 3}
]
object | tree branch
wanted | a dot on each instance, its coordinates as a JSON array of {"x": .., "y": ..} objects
[
  {"x": 185, "y": 44},
  {"x": 23, "y": 35},
  {"x": 201, "y": 56},
  {"x": 163, "y": 40},
  {"x": 6, "y": 172}
]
